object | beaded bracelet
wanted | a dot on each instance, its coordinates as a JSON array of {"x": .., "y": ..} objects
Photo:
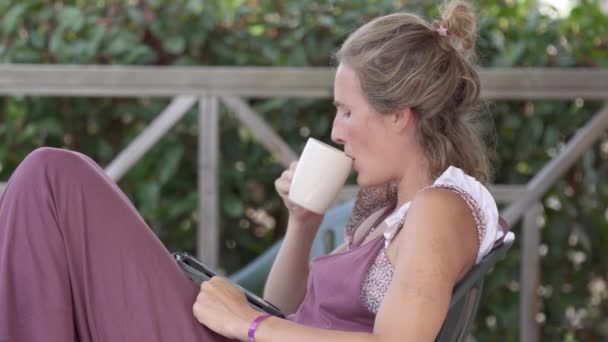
[{"x": 255, "y": 324}]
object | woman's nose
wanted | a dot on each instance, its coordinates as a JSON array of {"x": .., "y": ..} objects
[{"x": 337, "y": 131}]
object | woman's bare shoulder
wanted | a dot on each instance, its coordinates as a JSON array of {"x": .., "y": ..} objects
[{"x": 441, "y": 225}]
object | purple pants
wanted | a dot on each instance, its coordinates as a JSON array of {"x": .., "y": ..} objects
[{"x": 78, "y": 263}]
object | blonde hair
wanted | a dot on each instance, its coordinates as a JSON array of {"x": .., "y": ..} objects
[{"x": 404, "y": 61}]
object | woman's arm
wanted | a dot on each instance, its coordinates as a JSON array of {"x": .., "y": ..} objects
[
  {"x": 288, "y": 277},
  {"x": 286, "y": 283},
  {"x": 437, "y": 244}
]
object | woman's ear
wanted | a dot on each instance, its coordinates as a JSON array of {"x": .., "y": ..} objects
[{"x": 403, "y": 119}]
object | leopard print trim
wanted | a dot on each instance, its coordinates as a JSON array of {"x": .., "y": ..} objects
[
  {"x": 376, "y": 282},
  {"x": 369, "y": 200}
]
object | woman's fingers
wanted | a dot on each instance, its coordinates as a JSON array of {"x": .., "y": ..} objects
[
  {"x": 283, "y": 183},
  {"x": 282, "y": 187},
  {"x": 288, "y": 174}
]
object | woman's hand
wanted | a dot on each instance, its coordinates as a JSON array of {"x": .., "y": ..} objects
[
  {"x": 297, "y": 212},
  {"x": 223, "y": 308}
]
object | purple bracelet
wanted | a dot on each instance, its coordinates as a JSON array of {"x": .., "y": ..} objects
[{"x": 255, "y": 324}]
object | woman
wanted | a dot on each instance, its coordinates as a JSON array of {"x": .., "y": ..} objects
[{"x": 77, "y": 263}]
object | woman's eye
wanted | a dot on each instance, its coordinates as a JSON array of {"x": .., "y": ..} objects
[{"x": 346, "y": 114}]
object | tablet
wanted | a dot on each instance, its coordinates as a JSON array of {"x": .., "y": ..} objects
[{"x": 199, "y": 272}]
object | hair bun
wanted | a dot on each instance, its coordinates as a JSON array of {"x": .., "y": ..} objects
[{"x": 460, "y": 20}]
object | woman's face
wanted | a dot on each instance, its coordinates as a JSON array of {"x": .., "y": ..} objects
[{"x": 368, "y": 137}]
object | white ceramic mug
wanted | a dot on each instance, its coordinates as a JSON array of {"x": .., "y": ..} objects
[{"x": 319, "y": 176}]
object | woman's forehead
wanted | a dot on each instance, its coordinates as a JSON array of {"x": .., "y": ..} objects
[{"x": 346, "y": 85}]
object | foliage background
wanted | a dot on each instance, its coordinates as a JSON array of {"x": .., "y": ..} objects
[{"x": 304, "y": 33}]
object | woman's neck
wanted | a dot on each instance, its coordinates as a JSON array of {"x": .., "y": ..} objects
[{"x": 415, "y": 178}]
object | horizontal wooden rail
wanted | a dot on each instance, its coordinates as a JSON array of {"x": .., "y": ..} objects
[
  {"x": 135, "y": 81},
  {"x": 265, "y": 82}
]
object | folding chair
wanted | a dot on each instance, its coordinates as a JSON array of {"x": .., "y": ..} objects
[{"x": 467, "y": 293}]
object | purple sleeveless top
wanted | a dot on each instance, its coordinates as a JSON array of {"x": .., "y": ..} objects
[{"x": 333, "y": 293}]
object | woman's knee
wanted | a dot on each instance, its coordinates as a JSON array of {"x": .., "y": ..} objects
[
  {"x": 56, "y": 161},
  {"x": 43, "y": 154},
  {"x": 43, "y": 157}
]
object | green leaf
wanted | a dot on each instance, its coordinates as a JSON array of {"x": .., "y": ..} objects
[
  {"x": 256, "y": 30},
  {"x": 149, "y": 195},
  {"x": 327, "y": 21},
  {"x": 71, "y": 18},
  {"x": 56, "y": 43},
  {"x": 28, "y": 132},
  {"x": 195, "y": 6},
  {"x": 170, "y": 163},
  {"x": 510, "y": 55},
  {"x": 175, "y": 44},
  {"x": 140, "y": 55},
  {"x": 121, "y": 42},
  {"x": 136, "y": 15},
  {"x": 183, "y": 205},
  {"x": 95, "y": 40},
  {"x": 12, "y": 17},
  {"x": 51, "y": 126},
  {"x": 37, "y": 39},
  {"x": 232, "y": 205}
]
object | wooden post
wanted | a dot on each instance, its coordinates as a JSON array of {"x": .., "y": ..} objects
[
  {"x": 530, "y": 275},
  {"x": 208, "y": 164}
]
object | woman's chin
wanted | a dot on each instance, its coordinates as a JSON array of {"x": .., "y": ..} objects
[
  {"x": 364, "y": 182},
  {"x": 360, "y": 180}
]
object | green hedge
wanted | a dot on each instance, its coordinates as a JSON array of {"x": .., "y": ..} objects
[{"x": 304, "y": 33}]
